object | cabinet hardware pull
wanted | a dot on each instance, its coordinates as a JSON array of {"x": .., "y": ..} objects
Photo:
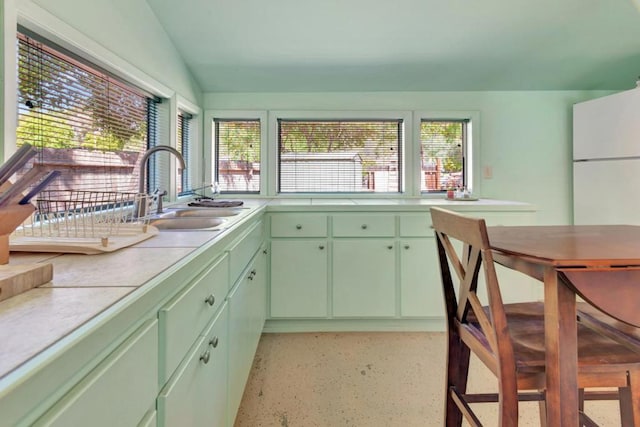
[
  {"x": 321, "y": 247},
  {"x": 363, "y": 226},
  {"x": 298, "y": 227},
  {"x": 390, "y": 247},
  {"x": 214, "y": 342},
  {"x": 406, "y": 246},
  {"x": 205, "y": 357},
  {"x": 210, "y": 300},
  {"x": 264, "y": 251},
  {"x": 252, "y": 274}
]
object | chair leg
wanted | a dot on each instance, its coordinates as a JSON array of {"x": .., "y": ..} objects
[
  {"x": 458, "y": 356},
  {"x": 542, "y": 410},
  {"x": 630, "y": 401}
]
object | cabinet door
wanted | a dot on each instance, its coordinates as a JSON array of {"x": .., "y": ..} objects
[
  {"x": 108, "y": 396},
  {"x": 299, "y": 278},
  {"x": 420, "y": 286},
  {"x": 197, "y": 394},
  {"x": 364, "y": 277},
  {"x": 247, "y": 298},
  {"x": 184, "y": 318}
]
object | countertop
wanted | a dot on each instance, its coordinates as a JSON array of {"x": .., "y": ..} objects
[{"x": 86, "y": 285}]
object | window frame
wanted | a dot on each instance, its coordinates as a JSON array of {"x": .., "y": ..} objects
[
  {"x": 471, "y": 149},
  {"x": 412, "y": 120},
  {"x": 210, "y": 150},
  {"x": 405, "y": 156},
  {"x": 47, "y": 26}
]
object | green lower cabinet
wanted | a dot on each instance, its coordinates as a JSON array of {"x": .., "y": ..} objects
[
  {"x": 247, "y": 312},
  {"x": 364, "y": 277},
  {"x": 118, "y": 392},
  {"x": 299, "y": 278},
  {"x": 420, "y": 288},
  {"x": 196, "y": 394}
]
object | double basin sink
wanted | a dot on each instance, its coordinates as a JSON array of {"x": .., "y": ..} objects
[{"x": 195, "y": 218}]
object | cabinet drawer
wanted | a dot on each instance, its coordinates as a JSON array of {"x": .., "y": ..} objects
[
  {"x": 364, "y": 225},
  {"x": 187, "y": 314},
  {"x": 243, "y": 250},
  {"x": 299, "y": 225},
  {"x": 197, "y": 394},
  {"x": 416, "y": 225},
  {"x": 119, "y": 391}
]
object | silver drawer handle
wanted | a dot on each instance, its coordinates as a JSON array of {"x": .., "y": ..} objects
[
  {"x": 205, "y": 357},
  {"x": 298, "y": 227},
  {"x": 210, "y": 300},
  {"x": 214, "y": 342}
]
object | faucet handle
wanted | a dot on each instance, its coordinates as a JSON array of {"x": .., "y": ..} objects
[{"x": 157, "y": 195}]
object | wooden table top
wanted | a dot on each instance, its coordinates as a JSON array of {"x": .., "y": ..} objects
[{"x": 570, "y": 245}]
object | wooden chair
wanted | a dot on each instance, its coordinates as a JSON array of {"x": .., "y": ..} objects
[{"x": 509, "y": 338}]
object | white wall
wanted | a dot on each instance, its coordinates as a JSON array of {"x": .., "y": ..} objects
[
  {"x": 525, "y": 137},
  {"x": 129, "y": 29}
]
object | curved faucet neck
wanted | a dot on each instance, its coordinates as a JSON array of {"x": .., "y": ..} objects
[{"x": 145, "y": 158}]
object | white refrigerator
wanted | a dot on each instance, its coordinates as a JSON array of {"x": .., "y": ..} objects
[{"x": 606, "y": 160}]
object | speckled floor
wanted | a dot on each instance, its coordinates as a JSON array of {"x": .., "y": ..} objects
[{"x": 364, "y": 380}]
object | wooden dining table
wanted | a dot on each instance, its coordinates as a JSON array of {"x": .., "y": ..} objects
[{"x": 600, "y": 264}]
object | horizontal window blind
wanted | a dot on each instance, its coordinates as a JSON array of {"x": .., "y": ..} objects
[
  {"x": 442, "y": 144},
  {"x": 85, "y": 123},
  {"x": 237, "y": 143},
  {"x": 338, "y": 156},
  {"x": 183, "y": 145}
]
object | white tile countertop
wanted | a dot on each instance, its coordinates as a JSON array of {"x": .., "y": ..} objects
[{"x": 85, "y": 286}]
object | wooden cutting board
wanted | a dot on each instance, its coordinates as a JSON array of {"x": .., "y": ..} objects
[{"x": 15, "y": 279}]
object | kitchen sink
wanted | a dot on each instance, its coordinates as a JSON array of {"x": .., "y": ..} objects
[
  {"x": 185, "y": 223},
  {"x": 200, "y": 212}
]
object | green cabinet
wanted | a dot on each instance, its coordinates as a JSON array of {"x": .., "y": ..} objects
[
  {"x": 364, "y": 278},
  {"x": 420, "y": 288},
  {"x": 247, "y": 313},
  {"x": 299, "y": 272},
  {"x": 183, "y": 319},
  {"x": 107, "y": 396},
  {"x": 197, "y": 394}
]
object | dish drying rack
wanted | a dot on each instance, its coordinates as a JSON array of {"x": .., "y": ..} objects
[{"x": 88, "y": 222}]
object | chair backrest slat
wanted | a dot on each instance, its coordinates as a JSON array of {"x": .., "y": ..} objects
[{"x": 463, "y": 244}]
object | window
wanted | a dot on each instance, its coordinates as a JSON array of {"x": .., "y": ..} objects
[
  {"x": 340, "y": 156},
  {"x": 183, "y": 145},
  {"x": 237, "y": 143},
  {"x": 86, "y": 123},
  {"x": 443, "y": 144}
]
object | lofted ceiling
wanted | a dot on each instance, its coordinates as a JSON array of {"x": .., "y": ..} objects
[{"x": 405, "y": 45}]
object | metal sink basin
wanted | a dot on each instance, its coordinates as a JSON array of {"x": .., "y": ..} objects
[
  {"x": 200, "y": 212},
  {"x": 185, "y": 223}
]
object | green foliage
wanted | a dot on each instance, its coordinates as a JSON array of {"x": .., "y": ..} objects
[
  {"x": 44, "y": 132},
  {"x": 239, "y": 140},
  {"x": 443, "y": 140},
  {"x": 65, "y": 105}
]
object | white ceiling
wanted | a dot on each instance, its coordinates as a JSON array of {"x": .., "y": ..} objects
[{"x": 376, "y": 45}]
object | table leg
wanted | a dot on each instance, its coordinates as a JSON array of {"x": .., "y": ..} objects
[{"x": 561, "y": 351}]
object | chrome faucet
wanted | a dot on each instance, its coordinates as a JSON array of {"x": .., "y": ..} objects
[{"x": 141, "y": 210}]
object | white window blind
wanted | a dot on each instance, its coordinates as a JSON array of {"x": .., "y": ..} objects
[
  {"x": 340, "y": 156},
  {"x": 86, "y": 123},
  {"x": 442, "y": 148},
  {"x": 237, "y": 144}
]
